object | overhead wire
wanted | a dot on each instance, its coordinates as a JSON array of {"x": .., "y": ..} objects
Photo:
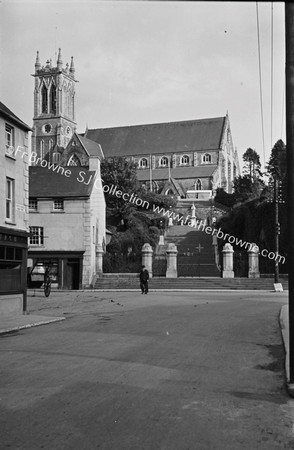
[{"x": 260, "y": 82}]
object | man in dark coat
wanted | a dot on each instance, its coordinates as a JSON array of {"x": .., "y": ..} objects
[{"x": 144, "y": 277}]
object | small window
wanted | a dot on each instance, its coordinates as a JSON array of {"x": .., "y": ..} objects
[
  {"x": 9, "y": 137},
  {"x": 164, "y": 161},
  {"x": 33, "y": 204},
  {"x": 51, "y": 144},
  {"x": 37, "y": 236},
  {"x": 58, "y": 205},
  {"x": 10, "y": 185},
  {"x": 143, "y": 163},
  {"x": 206, "y": 158},
  {"x": 185, "y": 160}
]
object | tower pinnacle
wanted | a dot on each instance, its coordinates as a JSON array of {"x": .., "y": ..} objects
[
  {"x": 72, "y": 67},
  {"x": 37, "y": 63},
  {"x": 59, "y": 60}
]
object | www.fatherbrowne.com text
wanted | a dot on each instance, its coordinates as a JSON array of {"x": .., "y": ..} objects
[{"x": 86, "y": 178}]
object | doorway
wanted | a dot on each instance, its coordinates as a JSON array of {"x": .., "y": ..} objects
[{"x": 73, "y": 273}]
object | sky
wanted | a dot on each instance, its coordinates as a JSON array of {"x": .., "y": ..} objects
[{"x": 140, "y": 62}]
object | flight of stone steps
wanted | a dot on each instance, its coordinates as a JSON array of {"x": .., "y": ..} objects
[
  {"x": 131, "y": 282},
  {"x": 198, "y": 246}
]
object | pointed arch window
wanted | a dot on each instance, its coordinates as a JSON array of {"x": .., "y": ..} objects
[
  {"x": 73, "y": 161},
  {"x": 198, "y": 185},
  {"x": 44, "y": 94},
  {"x": 50, "y": 144},
  {"x": 206, "y": 159},
  {"x": 53, "y": 99}
]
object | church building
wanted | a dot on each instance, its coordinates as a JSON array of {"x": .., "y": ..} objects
[{"x": 188, "y": 159}]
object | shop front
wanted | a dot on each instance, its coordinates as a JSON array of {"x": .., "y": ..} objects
[
  {"x": 65, "y": 268},
  {"x": 13, "y": 270}
]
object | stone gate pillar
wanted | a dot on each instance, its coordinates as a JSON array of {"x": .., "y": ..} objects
[
  {"x": 228, "y": 265},
  {"x": 147, "y": 255},
  {"x": 171, "y": 259},
  {"x": 253, "y": 261},
  {"x": 99, "y": 260}
]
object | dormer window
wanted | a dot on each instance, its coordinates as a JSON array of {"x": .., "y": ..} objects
[
  {"x": 185, "y": 160},
  {"x": 143, "y": 163},
  {"x": 163, "y": 162},
  {"x": 206, "y": 159}
]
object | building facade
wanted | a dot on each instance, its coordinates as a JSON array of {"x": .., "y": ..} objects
[
  {"x": 67, "y": 224},
  {"x": 14, "y": 218}
]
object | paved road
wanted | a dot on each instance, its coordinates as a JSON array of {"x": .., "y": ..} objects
[{"x": 163, "y": 371}]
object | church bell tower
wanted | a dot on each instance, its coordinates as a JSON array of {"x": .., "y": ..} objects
[{"x": 54, "y": 108}]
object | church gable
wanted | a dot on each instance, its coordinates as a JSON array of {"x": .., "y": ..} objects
[{"x": 75, "y": 154}]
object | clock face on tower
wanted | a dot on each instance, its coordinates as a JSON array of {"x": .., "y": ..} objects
[{"x": 47, "y": 128}]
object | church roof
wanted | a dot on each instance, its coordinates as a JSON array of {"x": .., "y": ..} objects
[
  {"x": 4, "y": 111},
  {"x": 172, "y": 137},
  {"x": 92, "y": 148},
  {"x": 177, "y": 186},
  {"x": 177, "y": 172},
  {"x": 46, "y": 183}
]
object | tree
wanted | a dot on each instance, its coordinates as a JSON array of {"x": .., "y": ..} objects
[
  {"x": 119, "y": 174},
  {"x": 246, "y": 188},
  {"x": 277, "y": 165},
  {"x": 249, "y": 185},
  {"x": 222, "y": 197},
  {"x": 252, "y": 164}
]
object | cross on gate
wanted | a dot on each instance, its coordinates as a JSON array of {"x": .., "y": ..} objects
[{"x": 199, "y": 248}]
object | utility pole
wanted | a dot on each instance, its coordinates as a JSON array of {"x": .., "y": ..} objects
[
  {"x": 289, "y": 28},
  {"x": 277, "y": 228}
]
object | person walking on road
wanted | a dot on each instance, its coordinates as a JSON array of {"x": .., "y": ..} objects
[{"x": 144, "y": 277}]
